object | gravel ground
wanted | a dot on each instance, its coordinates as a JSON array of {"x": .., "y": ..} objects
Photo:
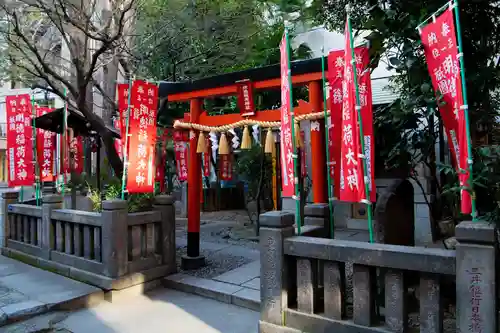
[{"x": 217, "y": 263}]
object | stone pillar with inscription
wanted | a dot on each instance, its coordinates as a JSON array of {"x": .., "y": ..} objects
[
  {"x": 476, "y": 283},
  {"x": 275, "y": 226}
]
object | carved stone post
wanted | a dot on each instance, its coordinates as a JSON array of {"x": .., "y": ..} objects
[
  {"x": 114, "y": 237},
  {"x": 165, "y": 205},
  {"x": 8, "y": 198},
  {"x": 50, "y": 202},
  {"x": 275, "y": 227},
  {"x": 476, "y": 281}
]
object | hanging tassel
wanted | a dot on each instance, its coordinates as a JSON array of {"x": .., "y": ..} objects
[
  {"x": 202, "y": 146},
  {"x": 269, "y": 145},
  {"x": 246, "y": 142},
  {"x": 223, "y": 145},
  {"x": 298, "y": 138}
]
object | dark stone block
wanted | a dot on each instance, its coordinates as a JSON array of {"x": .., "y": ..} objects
[
  {"x": 189, "y": 263},
  {"x": 317, "y": 210},
  {"x": 475, "y": 232},
  {"x": 277, "y": 219}
]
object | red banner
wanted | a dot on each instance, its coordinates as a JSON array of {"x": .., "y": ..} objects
[
  {"x": 45, "y": 148},
  {"x": 20, "y": 140},
  {"x": 335, "y": 75},
  {"x": 441, "y": 53},
  {"x": 118, "y": 142},
  {"x": 226, "y": 167},
  {"x": 206, "y": 159},
  {"x": 76, "y": 154},
  {"x": 142, "y": 129},
  {"x": 244, "y": 91},
  {"x": 342, "y": 133},
  {"x": 181, "y": 136},
  {"x": 181, "y": 157},
  {"x": 351, "y": 168},
  {"x": 287, "y": 172}
]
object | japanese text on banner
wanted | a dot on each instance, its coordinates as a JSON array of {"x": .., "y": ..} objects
[
  {"x": 142, "y": 120},
  {"x": 19, "y": 141},
  {"x": 245, "y": 98},
  {"x": 45, "y": 147},
  {"x": 76, "y": 153},
  {"x": 351, "y": 168},
  {"x": 226, "y": 170},
  {"x": 441, "y": 53},
  {"x": 287, "y": 167}
]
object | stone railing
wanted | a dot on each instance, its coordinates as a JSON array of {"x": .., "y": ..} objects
[
  {"x": 303, "y": 282},
  {"x": 112, "y": 249}
]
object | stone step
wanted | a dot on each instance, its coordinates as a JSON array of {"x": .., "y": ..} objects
[{"x": 221, "y": 291}]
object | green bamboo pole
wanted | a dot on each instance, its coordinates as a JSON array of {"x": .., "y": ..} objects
[
  {"x": 296, "y": 171},
  {"x": 329, "y": 177},
  {"x": 63, "y": 148},
  {"x": 465, "y": 108},
  {"x": 35, "y": 155},
  {"x": 125, "y": 150},
  {"x": 360, "y": 123}
]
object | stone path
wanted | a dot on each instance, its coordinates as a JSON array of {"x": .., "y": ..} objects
[
  {"x": 157, "y": 312},
  {"x": 26, "y": 291},
  {"x": 232, "y": 274}
]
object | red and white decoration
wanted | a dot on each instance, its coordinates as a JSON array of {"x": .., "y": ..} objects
[
  {"x": 142, "y": 129},
  {"x": 20, "y": 141},
  {"x": 352, "y": 182},
  {"x": 226, "y": 167},
  {"x": 441, "y": 53},
  {"x": 244, "y": 91},
  {"x": 45, "y": 147},
  {"x": 287, "y": 171},
  {"x": 181, "y": 155},
  {"x": 76, "y": 153},
  {"x": 206, "y": 159},
  {"x": 121, "y": 121}
]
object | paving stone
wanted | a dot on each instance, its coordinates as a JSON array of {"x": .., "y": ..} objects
[
  {"x": 242, "y": 274},
  {"x": 252, "y": 284},
  {"x": 22, "y": 309},
  {"x": 247, "y": 298}
]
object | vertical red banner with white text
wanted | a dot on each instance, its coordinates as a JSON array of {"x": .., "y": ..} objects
[
  {"x": 441, "y": 53},
  {"x": 20, "y": 140},
  {"x": 287, "y": 166},
  {"x": 226, "y": 167},
  {"x": 181, "y": 154},
  {"x": 46, "y": 148},
  {"x": 76, "y": 154},
  {"x": 206, "y": 159},
  {"x": 244, "y": 92},
  {"x": 120, "y": 124},
  {"x": 351, "y": 167},
  {"x": 142, "y": 128},
  {"x": 335, "y": 76}
]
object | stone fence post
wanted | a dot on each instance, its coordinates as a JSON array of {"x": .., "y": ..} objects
[
  {"x": 49, "y": 202},
  {"x": 8, "y": 198},
  {"x": 275, "y": 226},
  {"x": 165, "y": 204},
  {"x": 318, "y": 214},
  {"x": 476, "y": 277},
  {"x": 114, "y": 237}
]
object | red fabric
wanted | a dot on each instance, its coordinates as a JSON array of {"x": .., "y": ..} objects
[
  {"x": 226, "y": 167},
  {"x": 76, "y": 150},
  {"x": 181, "y": 155},
  {"x": 441, "y": 53},
  {"x": 244, "y": 91},
  {"x": 206, "y": 159},
  {"x": 118, "y": 142},
  {"x": 335, "y": 75},
  {"x": 141, "y": 169},
  {"x": 122, "y": 102},
  {"x": 46, "y": 148},
  {"x": 336, "y": 65},
  {"x": 351, "y": 167},
  {"x": 19, "y": 141},
  {"x": 287, "y": 167}
]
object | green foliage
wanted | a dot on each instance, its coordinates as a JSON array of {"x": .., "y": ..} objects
[{"x": 255, "y": 168}]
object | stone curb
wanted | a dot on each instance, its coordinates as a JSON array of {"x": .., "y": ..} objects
[{"x": 220, "y": 291}]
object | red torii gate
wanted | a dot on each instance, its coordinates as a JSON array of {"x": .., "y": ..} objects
[{"x": 307, "y": 72}]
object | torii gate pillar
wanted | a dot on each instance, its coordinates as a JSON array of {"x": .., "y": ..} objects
[
  {"x": 318, "y": 160},
  {"x": 193, "y": 259}
]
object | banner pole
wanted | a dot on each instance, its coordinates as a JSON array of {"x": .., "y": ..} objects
[
  {"x": 296, "y": 172},
  {"x": 125, "y": 150},
  {"x": 329, "y": 175},
  {"x": 360, "y": 124},
  {"x": 35, "y": 155},
  {"x": 465, "y": 107},
  {"x": 63, "y": 146}
]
